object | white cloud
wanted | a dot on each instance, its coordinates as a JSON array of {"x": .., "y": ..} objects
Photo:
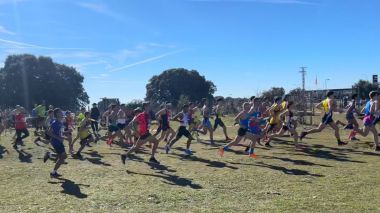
[
  {"x": 155, "y": 58},
  {"x": 101, "y": 9},
  {"x": 5, "y": 31},
  {"x": 21, "y": 45}
]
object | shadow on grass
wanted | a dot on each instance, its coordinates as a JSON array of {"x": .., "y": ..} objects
[
  {"x": 161, "y": 168},
  {"x": 172, "y": 180},
  {"x": 296, "y": 162},
  {"x": 71, "y": 188},
  {"x": 97, "y": 161},
  {"x": 94, "y": 154},
  {"x": 288, "y": 171},
  {"x": 209, "y": 163},
  {"x": 3, "y": 150},
  {"x": 24, "y": 156},
  {"x": 326, "y": 154}
]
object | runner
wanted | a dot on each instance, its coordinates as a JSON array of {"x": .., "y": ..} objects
[
  {"x": 195, "y": 120},
  {"x": 183, "y": 118},
  {"x": 206, "y": 124},
  {"x": 79, "y": 120},
  {"x": 352, "y": 122},
  {"x": 369, "y": 118},
  {"x": 128, "y": 131},
  {"x": 275, "y": 120},
  {"x": 121, "y": 123},
  {"x": 55, "y": 132},
  {"x": 142, "y": 122},
  {"x": 111, "y": 118},
  {"x": 84, "y": 134},
  {"x": 95, "y": 115},
  {"x": 287, "y": 124},
  {"x": 218, "y": 119},
  {"x": 163, "y": 116},
  {"x": 45, "y": 138},
  {"x": 41, "y": 112},
  {"x": 328, "y": 106},
  {"x": 242, "y": 119},
  {"x": 68, "y": 124},
  {"x": 20, "y": 126}
]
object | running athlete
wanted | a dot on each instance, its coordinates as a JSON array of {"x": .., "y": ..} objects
[
  {"x": 287, "y": 124},
  {"x": 218, "y": 119},
  {"x": 243, "y": 119},
  {"x": 121, "y": 122},
  {"x": 84, "y": 134},
  {"x": 111, "y": 118},
  {"x": 164, "y": 116},
  {"x": 21, "y": 126},
  {"x": 352, "y": 122},
  {"x": 158, "y": 119},
  {"x": 40, "y": 111},
  {"x": 95, "y": 115},
  {"x": 55, "y": 132},
  {"x": 68, "y": 125},
  {"x": 142, "y": 121},
  {"x": 79, "y": 120},
  {"x": 128, "y": 131},
  {"x": 369, "y": 118},
  {"x": 275, "y": 120},
  {"x": 206, "y": 124},
  {"x": 195, "y": 120},
  {"x": 46, "y": 138},
  {"x": 183, "y": 118},
  {"x": 328, "y": 106}
]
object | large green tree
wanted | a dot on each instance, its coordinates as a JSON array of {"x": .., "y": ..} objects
[
  {"x": 363, "y": 88},
  {"x": 26, "y": 80},
  {"x": 171, "y": 84}
]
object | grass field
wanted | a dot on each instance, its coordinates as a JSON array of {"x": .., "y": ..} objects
[{"x": 321, "y": 178}]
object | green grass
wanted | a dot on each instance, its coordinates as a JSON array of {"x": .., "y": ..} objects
[{"x": 321, "y": 178}]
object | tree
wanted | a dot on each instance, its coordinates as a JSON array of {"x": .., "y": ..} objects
[
  {"x": 172, "y": 83},
  {"x": 26, "y": 79},
  {"x": 134, "y": 104},
  {"x": 363, "y": 88},
  {"x": 273, "y": 92}
]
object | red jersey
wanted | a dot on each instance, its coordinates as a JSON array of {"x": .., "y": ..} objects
[
  {"x": 20, "y": 121},
  {"x": 143, "y": 121}
]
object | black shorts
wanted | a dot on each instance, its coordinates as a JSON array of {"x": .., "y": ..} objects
[
  {"x": 327, "y": 119},
  {"x": 144, "y": 137},
  {"x": 165, "y": 127},
  {"x": 182, "y": 131},
  {"x": 218, "y": 122},
  {"x": 287, "y": 127},
  {"x": 242, "y": 132}
]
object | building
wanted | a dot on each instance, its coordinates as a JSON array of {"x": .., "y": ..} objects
[{"x": 344, "y": 93}]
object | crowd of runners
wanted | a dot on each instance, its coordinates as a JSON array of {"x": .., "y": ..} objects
[{"x": 258, "y": 123}]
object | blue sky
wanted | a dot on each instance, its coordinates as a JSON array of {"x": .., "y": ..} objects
[{"x": 243, "y": 46}]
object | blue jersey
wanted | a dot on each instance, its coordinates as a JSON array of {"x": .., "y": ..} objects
[
  {"x": 56, "y": 126},
  {"x": 367, "y": 108}
]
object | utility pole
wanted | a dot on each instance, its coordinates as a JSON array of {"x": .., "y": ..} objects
[
  {"x": 303, "y": 73},
  {"x": 303, "y": 105}
]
